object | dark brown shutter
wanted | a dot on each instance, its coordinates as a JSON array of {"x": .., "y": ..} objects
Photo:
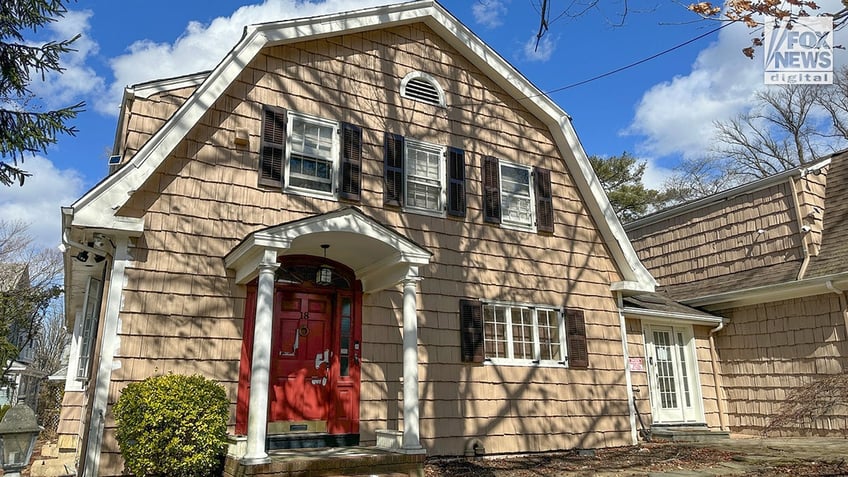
[
  {"x": 575, "y": 330},
  {"x": 491, "y": 190},
  {"x": 351, "y": 162},
  {"x": 471, "y": 330},
  {"x": 456, "y": 182},
  {"x": 393, "y": 170},
  {"x": 544, "y": 200},
  {"x": 273, "y": 147}
]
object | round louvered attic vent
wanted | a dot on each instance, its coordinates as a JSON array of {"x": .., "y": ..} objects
[{"x": 422, "y": 87}]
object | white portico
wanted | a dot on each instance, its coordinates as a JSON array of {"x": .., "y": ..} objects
[{"x": 380, "y": 258}]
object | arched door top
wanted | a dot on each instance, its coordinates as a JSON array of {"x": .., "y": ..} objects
[{"x": 379, "y": 256}]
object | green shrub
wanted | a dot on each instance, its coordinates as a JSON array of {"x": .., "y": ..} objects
[{"x": 173, "y": 425}]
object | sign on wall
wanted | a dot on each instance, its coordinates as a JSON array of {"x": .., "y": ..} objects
[{"x": 637, "y": 364}]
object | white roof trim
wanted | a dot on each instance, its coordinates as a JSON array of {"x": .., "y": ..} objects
[
  {"x": 386, "y": 271},
  {"x": 766, "y": 294},
  {"x": 728, "y": 194},
  {"x": 100, "y": 203},
  {"x": 644, "y": 314},
  {"x": 148, "y": 89}
]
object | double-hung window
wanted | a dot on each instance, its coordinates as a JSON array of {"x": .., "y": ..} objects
[
  {"x": 517, "y": 196},
  {"x": 519, "y": 334},
  {"x": 424, "y": 177},
  {"x": 309, "y": 155},
  {"x": 312, "y": 164}
]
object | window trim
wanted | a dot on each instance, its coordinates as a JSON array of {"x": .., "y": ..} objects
[
  {"x": 536, "y": 361},
  {"x": 540, "y": 196},
  {"x": 452, "y": 176},
  {"x": 531, "y": 190},
  {"x": 334, "y": 155},
  {"x": 441, "y": 150}
]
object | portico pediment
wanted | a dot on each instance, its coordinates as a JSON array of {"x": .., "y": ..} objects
[{"x": 379, "y": 255}]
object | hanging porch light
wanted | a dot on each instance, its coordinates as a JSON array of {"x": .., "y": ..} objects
[{"x": 324, "y": 276}]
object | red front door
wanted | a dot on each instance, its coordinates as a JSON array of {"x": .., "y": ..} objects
[
  {"x": 315, "y": 352},
  {"x": 301, "y": 355}
]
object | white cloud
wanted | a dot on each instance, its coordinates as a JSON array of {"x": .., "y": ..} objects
[
  {"x": 200, "y": 47},
  {"x": 37, "y": 202},
  {"x": 655, "y": 175},
  {"x": 489, "y": 13},
  {"x": 542, "y": 52},
  {"x": 77, "y": 80},
  {"x": 676, "y": 117}
]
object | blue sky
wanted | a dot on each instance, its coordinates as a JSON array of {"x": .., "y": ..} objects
[{"x": 659, "y": 111}]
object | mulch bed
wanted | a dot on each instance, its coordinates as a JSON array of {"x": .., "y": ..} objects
[{"x": 624, "y": 461}]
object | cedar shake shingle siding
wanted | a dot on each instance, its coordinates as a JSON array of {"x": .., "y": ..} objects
[
  {"x": 718, "y": 248},
  {"x": 182, "y": 312},
  {"x": 771, "y": 349},
  {"x": 785, "y": 321},
  {"x": 833, "y": 257}
]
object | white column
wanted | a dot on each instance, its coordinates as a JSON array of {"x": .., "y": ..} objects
[
  {"x": 411, "y": 432},
  {"x": 257, "y": 418},
  {"x": 109, "y": 346}
]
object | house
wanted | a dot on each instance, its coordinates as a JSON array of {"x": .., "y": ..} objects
[
  {"x": 770, "y": 258},
  {"x": 21, "y": 380},
  {"x": 371, "y": 229}
]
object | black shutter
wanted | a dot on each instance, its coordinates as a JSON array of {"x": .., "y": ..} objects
[
  {"x": 393, "y": 170},
  {"x": 471, "y": 330},
  {"x": 273, "y": 147},
  {"x": 491, "y": 190},
  {"x": 351, "y": 162},
  {"x": 575, "y": 330},
  {"x": 456, "y": 182},
  {"x": 544, "y": 200}
]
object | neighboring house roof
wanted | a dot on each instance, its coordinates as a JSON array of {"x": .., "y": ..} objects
[
  {"x": 833, "y": 258},
  {"x": 100, "y": 207}
]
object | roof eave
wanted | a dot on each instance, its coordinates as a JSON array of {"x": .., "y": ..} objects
[
  {"x": 720, "y": 196},
  {"x": 111, "y": 194},
  {"x": 640, "y": 313},
  {"x": 769, "y": 293}
]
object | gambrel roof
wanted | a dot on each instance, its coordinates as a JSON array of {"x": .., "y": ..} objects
[
  {"x": 99, "y": 207},
  {"x": 833, "y": 258}
]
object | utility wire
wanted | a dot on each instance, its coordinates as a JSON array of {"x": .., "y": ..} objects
[{"x": 644, "y": 60}]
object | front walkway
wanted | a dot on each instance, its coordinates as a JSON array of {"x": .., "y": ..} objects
[{"x": 768, "y": 456}]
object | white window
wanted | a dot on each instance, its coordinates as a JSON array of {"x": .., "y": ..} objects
[
  {"x": 523, "y": 334},
  {"x": 516, "y": 195},
  {"x": 85, "y": 330},
  {"x": 311, "y": 154},
  {"x": 424, "y": 176}
]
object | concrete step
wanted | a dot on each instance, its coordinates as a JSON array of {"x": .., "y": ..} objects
[{"x": 688, "y": 433}]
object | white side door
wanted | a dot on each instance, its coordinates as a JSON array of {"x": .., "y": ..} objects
[{"x": 673, "y": 374}]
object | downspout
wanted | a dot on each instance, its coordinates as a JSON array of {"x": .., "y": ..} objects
[
  {"x": 843, "y": 303},
  {"x": 628, "y": 381},
  {"x": 802, "y": 228},
  {"x": 722, "y": 412}
]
